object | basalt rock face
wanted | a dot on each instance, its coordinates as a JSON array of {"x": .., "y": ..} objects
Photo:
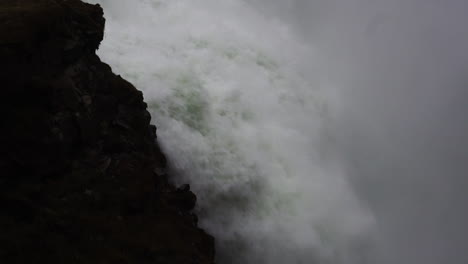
[{"x": 81, "y": 177}]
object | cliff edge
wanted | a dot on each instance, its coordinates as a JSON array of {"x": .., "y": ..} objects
[{"x": 82, "y": 179}]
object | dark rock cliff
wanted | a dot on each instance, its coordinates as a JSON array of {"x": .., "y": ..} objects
[{"x": 81, "y": 177}]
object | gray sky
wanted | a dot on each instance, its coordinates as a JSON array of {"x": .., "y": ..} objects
[{"x": 401, "y": 69}]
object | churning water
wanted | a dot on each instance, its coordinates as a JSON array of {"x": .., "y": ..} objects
[{"x": 240, "y": 123}]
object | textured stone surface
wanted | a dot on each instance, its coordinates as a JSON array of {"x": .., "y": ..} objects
[{"x": 81, "y": 177}]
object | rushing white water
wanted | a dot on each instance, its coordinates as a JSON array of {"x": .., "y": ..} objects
[{"x": 240, "y": 123}]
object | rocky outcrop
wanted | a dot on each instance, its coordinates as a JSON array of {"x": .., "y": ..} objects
[{"x": 81, "y": 177}]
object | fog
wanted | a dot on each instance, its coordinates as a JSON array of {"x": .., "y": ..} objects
[
  {"x": 395, "y": 74},
  {"x": 400, "y": 70}
]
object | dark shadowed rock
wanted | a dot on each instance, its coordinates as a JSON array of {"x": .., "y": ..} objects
[{"x": 81, "y": 177}]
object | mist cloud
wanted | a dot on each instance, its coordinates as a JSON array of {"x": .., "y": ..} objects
[
  {"x": 401, "y": 70},
  {"x": 397, "y": 75}
]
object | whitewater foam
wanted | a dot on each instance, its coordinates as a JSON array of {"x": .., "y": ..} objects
[{"x": 240, "y": 123}]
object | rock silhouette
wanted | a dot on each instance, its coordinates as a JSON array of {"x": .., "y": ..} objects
[{"x": 82, "y": 179}]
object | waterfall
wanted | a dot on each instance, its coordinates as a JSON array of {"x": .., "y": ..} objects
[{"x": 241, "y": 123}]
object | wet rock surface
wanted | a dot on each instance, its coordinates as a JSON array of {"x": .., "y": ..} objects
[{"x": 81, "y": 177}]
